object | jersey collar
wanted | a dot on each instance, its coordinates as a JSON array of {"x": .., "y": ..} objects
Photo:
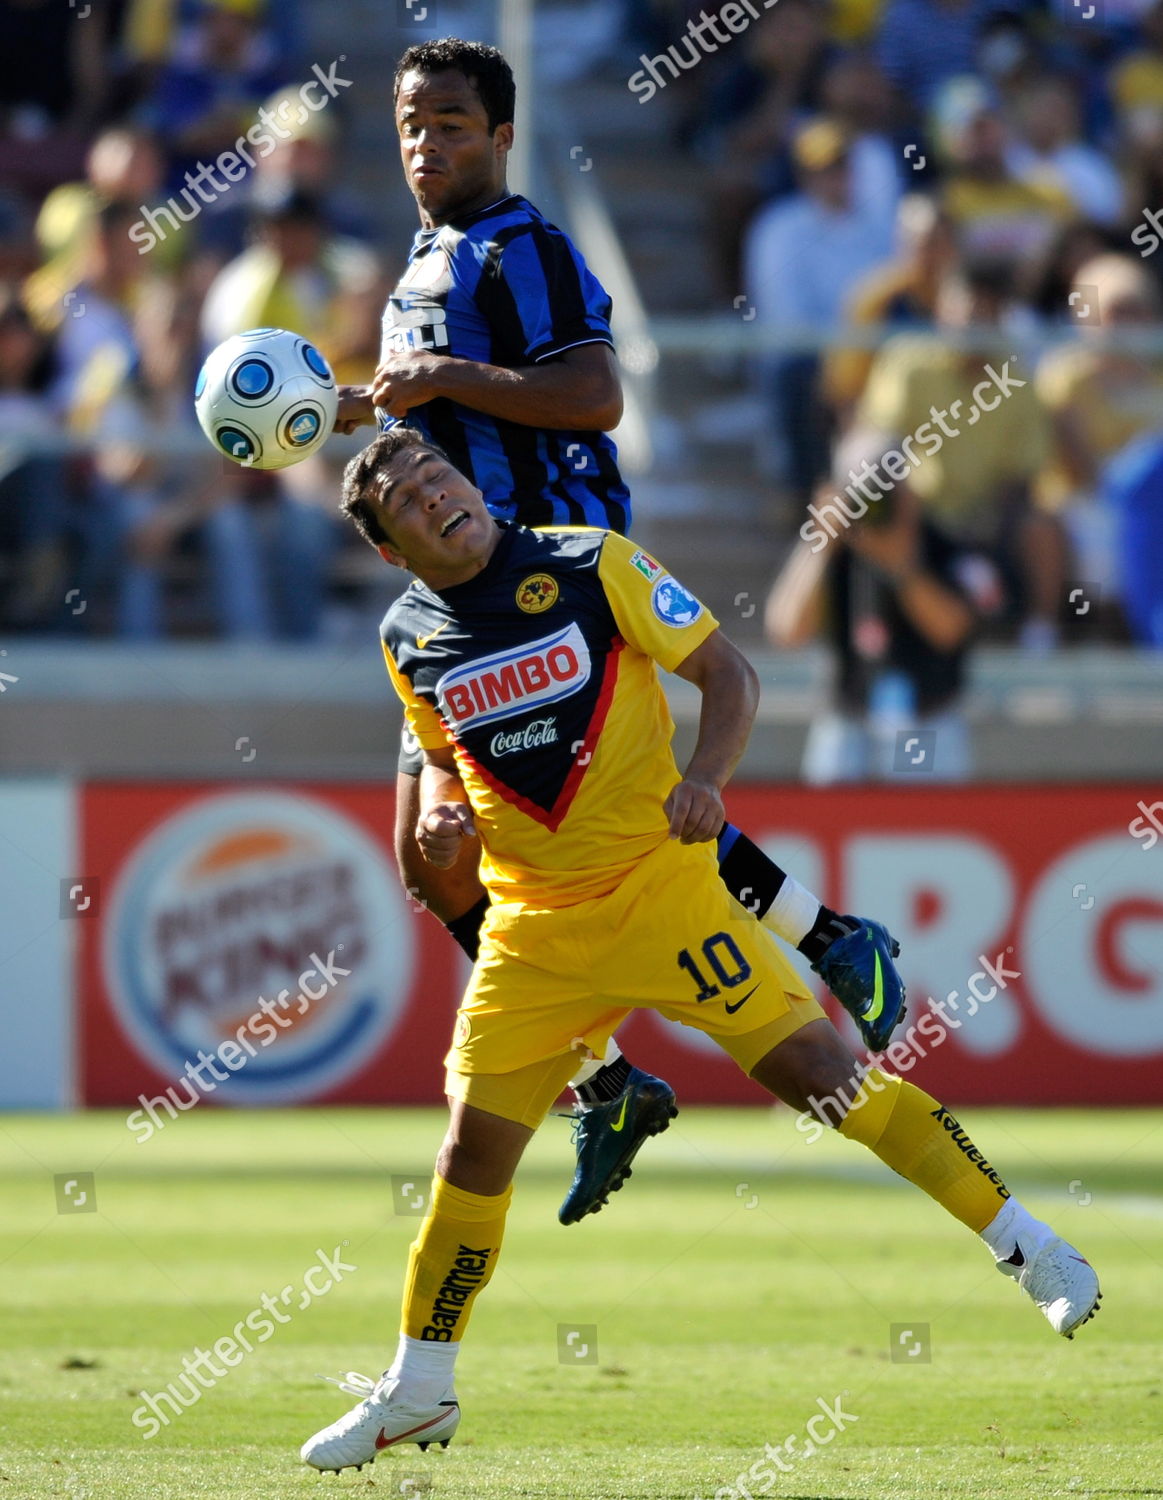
[
  {"x": 489, "y": 573},
  {"x": 426, "y": 236}
]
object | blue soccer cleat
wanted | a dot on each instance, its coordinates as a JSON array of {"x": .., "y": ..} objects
[
  {"x": 607, "y": 1137},
  {"x": 858, "y": 968}
]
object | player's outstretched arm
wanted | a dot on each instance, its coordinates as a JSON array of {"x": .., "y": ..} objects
[
  {"x": 579, "y": 390},
  {"x": 445, "y": 820},
  {"x": 730, "y": 692},
  {"x": 355, "y": 408}
]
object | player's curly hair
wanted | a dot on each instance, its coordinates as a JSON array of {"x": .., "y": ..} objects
[
  {"x": 362, "y": 476},
  {"x": 484, "y": 67}
]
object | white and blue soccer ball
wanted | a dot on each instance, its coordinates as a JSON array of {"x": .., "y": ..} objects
[{"x": 266, "y": 398}]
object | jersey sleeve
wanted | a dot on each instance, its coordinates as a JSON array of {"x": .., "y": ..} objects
[
  {"x": 422, "y": 719},
  {"x": 653, "y": 612},
  {"x": 542, "y": 297}
]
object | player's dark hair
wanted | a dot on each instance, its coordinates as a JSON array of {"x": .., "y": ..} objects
[
  {"x": 484, "y": 67},
  {"x": 362, "y": 476}
]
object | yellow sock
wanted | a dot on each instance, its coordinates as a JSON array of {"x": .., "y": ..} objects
[
  {"x": 450, "y": 1260},
  {"x": 920, "y": 1139}
]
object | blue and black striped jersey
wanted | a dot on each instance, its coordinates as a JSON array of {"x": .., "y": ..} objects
[{"x": 505, "y": 287}]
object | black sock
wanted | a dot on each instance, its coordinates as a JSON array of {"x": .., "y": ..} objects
[
  {"x": 607, "y": 1083},
  {"x": 467, "y": 928},
  {"x": 825, "y": 930},
  {"x": 752, "y": 878}
]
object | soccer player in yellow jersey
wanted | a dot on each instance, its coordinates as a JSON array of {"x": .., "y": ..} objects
[{"x": 527, "y": 662}]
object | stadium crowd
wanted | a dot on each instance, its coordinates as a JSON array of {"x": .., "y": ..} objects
[{"x": 978, "y": 179}]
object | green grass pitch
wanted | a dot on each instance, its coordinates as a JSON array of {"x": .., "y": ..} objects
[{"x": 740, "y": 1277}]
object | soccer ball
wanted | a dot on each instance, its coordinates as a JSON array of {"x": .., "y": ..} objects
[{"x": 266, "y": 398}]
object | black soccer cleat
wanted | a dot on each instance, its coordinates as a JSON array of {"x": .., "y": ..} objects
[
  {"x": 858, "y": 968},
  {"x": 607, "y": 1137}
]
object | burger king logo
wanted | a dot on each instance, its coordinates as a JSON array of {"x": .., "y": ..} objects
[{"x": 233, "y": 900}]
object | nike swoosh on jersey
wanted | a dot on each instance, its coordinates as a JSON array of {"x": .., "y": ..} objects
[
  {"x": 739, "y": 1004},
  {"x": 422, "y": 640}
]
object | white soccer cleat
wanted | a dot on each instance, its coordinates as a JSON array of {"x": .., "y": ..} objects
[
  {"x": 383, "y": 1419},
  {"x": 1058, "y": 1279}
]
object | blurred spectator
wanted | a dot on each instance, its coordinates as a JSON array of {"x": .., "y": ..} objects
[
  {"x": 977, "y": 485},
  {"x": 121, "y": 371},
  {"x": 304, "y": 161},
  {"x": 856, "y": 94},
  {"x": 125, "y": 165},
  {"x": 748, "y": 123},
  {"x": 53, "y": 83},
  {"x": 1136, "y": 87},
  {"x": 924, "y": 43},
  {"x": 902, "y": 291},
  {"x": 96, "y": 346},
  {"x": 1049, "y": 150},
  {"x": 206, "y": 97},
  {"x": 1099, "y": 400},
  {"x": 1008, "y": 57},
  {"x": 898, "y": 602},
  {"x": 1132, "y": 491},
  {"x": 852, "y": 22},
  {"x": 1048, "y": 279},
  {"x": 18, "y": 251},
  {"x": 803, "y": 256},
  {"x": 1136, "y": 82},
  {"x": 154, "y": 29},
  {"x": 34, "y": 517},
  {"x": 992, "y": 211},
  {"x": 295, "y": 275}
]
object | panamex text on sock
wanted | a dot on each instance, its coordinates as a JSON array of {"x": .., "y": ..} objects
[
  {"x": 897, "y": 462},
  {"x": 736, "y": 16},
  {"x": 919, "y": 1040},
  {"x": 963, "y": 1143},
  {"x": 199, "y": 1370},
  {"x": 467, "y": 1273},
  {"x": 263, "y": 1026},
  {"x": 759, "y": 1479},
  {"x": 202, "y": 186}
]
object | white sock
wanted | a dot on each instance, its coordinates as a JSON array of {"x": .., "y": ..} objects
[
  {"x": 595, "y": 1064},
  {"x": 424, "y": 1369},
  {"x": 1002, "y": 1231},
  {"x": 793, "y": 913}
]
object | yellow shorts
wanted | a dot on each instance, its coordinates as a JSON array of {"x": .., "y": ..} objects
[{"x": 552, "y": 985}]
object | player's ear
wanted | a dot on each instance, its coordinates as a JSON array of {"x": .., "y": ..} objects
[
  {"x": 397, "y": 559},
  {"x": 503, "y": 138}
]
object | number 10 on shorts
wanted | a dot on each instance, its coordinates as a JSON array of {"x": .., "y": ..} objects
[{"x": 719, "y": 957}]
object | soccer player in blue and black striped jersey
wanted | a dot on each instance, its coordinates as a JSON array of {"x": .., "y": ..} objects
[{"x": 497, "y": 347}]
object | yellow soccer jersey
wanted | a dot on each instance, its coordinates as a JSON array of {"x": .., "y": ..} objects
[{"x": 541, "y": 673}]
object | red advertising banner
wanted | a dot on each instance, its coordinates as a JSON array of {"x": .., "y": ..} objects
[
  {"x": 1063, "y": 885},
  {"x": 1031, "y": 923},
  {"x": 266, "y": 930}
]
